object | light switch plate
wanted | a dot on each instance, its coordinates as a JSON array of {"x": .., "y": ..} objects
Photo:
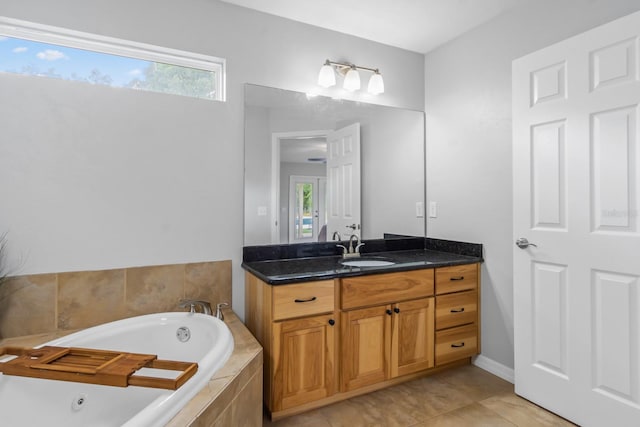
[
  {"x": 419, "y": 210},
  {"x": 433, "y": 209}
]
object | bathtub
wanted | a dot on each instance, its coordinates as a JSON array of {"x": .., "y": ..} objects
[{"x": 30, "y": 401}]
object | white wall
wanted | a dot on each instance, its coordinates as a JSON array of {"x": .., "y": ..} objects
[
  {"x": 468, "y": 105},
  {"x": 83, "y": 186}
]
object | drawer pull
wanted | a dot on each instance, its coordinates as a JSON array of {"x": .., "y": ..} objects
[
  {"x": 458, "y": 345},
  {"x": 305, "y": 300},
  {"x": 453, "y": 279},
  {"x": 457, "y": 310}
]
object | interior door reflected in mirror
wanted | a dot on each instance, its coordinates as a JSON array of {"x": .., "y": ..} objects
[
  {"x": 322, "y": 201},
  {"x": 317, "y": 168}
]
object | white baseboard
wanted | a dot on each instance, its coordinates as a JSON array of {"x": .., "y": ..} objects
[{"x": 497, "y": 369}]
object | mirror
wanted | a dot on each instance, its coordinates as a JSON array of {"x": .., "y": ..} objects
[{"x": 318, "y": 165}]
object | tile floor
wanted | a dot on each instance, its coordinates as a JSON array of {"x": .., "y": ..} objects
[{"x": 466, "y": 396}]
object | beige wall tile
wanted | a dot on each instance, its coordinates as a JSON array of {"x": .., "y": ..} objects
[
  {"x": 48, "y": 302},
  {"x": 154, "y": 289},
  {"x": 28, "y": 305},
  {"x": 89, "y": 298},
  {"x": 208, "y": 281}
]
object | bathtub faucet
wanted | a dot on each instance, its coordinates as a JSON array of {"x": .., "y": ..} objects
[
  {"x": 219, "y": 308},
  {"x": 192, "y": 303}
]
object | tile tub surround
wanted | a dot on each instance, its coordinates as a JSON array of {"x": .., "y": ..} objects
[
  {"x": 233, "y": 396},
  {"x": 43, "y": 303}
]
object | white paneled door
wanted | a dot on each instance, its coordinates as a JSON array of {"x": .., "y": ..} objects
[
  {"x": 576, "y": 181},
  {"x": 343, "y": 181}
]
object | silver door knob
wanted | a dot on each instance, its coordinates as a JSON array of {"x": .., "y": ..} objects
[{"x": 523, "y": 243}]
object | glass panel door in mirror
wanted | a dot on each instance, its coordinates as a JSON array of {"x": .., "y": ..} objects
[{"x": 307, "y": 216}]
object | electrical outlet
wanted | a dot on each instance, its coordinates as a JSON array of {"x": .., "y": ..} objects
[{"x": 419, "y": 210}]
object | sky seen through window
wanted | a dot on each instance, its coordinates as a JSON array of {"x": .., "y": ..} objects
[{"x": 20, "y": 56}]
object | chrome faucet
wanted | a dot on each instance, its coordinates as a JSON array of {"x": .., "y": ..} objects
[
  {"x": 219, "y": 308},
  {"x": 352, "y": 250},
  {"x": 355, "y": 249},
  {"x": 192, "y": 303}
]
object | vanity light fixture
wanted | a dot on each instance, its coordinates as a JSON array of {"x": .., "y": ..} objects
[{"x": 327, "y": 77}]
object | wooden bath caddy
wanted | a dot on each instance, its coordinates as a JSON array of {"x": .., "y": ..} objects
[{"x": 85, "y": 365}]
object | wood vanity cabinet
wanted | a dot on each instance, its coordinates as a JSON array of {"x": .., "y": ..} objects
[
  {"x": 457, "y": 314},
  {"x": 393, "y": 334},
  {"x": 297, "y": 327},
  {"x": 325, "y": 341}
]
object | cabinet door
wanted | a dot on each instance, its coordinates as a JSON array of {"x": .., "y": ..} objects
[
  {"x": 366, "y": 345},
  {"x": 412, "y": 346},
  {"x": 304, "y": 360}
]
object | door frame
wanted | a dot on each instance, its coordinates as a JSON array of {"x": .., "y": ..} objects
[{"x": 276, "y": 138}]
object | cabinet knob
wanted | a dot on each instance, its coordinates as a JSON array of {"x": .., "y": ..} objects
[
  {"x": 389, "y": 312},
  {"x": 332, "y": 322},
  {"x": 396, "y": 309}
]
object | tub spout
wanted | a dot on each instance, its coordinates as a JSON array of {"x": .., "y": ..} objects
[
  {"x": 192, "y": 303},
  {"x": 219, "y": 307}
]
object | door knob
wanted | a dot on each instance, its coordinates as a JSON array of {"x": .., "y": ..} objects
[{"x": 523, "y": 243}]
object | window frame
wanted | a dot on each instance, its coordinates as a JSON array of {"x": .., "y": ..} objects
[{"x": 16, "y": 28}]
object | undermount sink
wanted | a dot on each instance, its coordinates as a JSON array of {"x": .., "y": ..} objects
[{"x": 366, "y": 262}]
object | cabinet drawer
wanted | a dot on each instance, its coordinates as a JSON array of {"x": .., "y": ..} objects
[
  {"x": 388, "y": 288},
  {"x": 456, "y": 278},
  {"x": 456, "y": 309},
  {"x": 456, "y": 343},
  {"x": 303, "y": 299}
]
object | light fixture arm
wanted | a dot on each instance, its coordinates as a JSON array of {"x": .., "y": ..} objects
[{"x": 343, "y": 67}]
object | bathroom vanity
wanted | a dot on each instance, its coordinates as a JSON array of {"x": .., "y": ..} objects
[{"x": 331, "y": 332}]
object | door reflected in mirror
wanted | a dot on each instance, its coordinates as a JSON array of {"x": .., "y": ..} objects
[{"x": 320, "y": 169}]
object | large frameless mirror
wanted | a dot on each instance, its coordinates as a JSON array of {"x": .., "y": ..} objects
[{"x": 320, "y": 169}]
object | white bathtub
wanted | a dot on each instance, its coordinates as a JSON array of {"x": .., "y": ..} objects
[{"x": 31, "y": 402}]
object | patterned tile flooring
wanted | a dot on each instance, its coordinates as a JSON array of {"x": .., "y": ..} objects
[{"x": 466, "y": 396}]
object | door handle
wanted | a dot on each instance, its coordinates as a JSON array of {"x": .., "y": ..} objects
[{"x": 523, "y": 243}]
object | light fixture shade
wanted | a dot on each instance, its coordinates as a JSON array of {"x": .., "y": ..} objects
[
  {"x": 376, "y": 84},
  {"x": 326, "y": 77},
  {"x": 352, "y": 80}
]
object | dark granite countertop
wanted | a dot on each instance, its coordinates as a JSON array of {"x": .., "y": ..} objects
[{"x": 283, "y": 271}]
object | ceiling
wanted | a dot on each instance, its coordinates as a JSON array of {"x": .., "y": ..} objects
[
  {"x": 302, "y": 150},
  {"x": 415, "y": 25}
]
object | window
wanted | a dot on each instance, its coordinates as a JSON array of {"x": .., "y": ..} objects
[{"x": 39, "y": 50}]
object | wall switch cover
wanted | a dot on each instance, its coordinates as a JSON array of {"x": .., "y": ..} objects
[
  {"x": 433, "y": 209},
  {"x": 419, "y": 210}
]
